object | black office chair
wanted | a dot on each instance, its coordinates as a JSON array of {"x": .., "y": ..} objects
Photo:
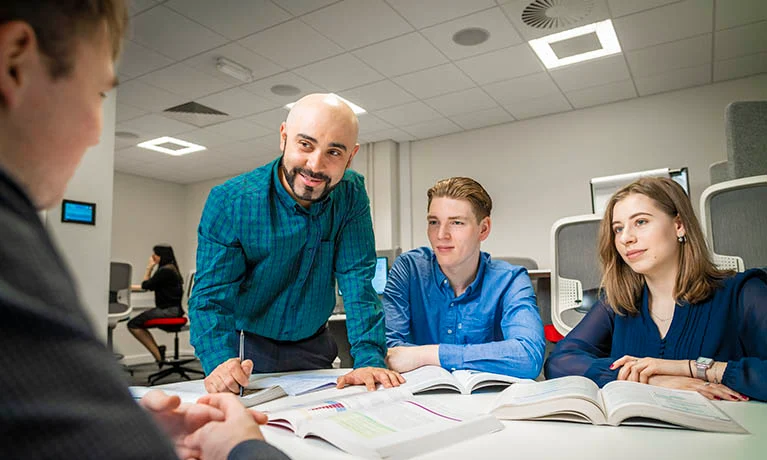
[{"x": 177, "y": 364}]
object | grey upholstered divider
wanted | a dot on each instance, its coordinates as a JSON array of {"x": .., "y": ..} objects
[
  {"x": 746, "y": 130},
  {"x": 739, "y": 224},
  {"x": 719, "y": 172}
]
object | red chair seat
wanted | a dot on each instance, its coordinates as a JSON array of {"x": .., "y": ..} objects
[
  {"x": 157, "y": 322},
  {"x": 551, "y": 333}
]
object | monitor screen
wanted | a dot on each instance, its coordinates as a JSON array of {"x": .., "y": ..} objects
[
  {"x": 380, "y": 277},
  {"x": 78, "y": 212},
  {"x": 382, "y": 274}
]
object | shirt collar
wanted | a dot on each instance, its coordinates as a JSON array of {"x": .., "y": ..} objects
[
  {"x": 287, "y": 199},
  {"x": 475, "y": 285}
]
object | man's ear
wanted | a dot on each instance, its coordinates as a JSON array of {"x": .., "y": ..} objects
[
  {"x": 351, "y": 157},
  {"x": 485, "y": 225},
  {"x": 283, "y": 137},
  {"x": 18, "y": 55}
]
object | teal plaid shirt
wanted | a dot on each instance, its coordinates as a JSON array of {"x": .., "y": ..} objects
[{"x": 267, "y": 265}]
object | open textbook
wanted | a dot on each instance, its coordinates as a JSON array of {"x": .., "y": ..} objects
[
  {"x": 578, "y": 399},
  {"x": 436, "y": 378},
  {"x": 383, "y": 424},
  {"x": 251, "y": 398}
]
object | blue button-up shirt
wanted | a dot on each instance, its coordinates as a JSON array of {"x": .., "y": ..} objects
[
  {"x": 267, "y": 265},
  {"x": 494, "y": 326}
]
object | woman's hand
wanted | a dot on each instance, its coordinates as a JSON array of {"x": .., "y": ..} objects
[
  {"x": 641, "y": 369},
  {"x": 707, "y": 389},
  {"x": 150, "y": 265}
]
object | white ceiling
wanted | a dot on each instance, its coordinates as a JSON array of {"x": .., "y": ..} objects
[{"x": 396, "y": 58}]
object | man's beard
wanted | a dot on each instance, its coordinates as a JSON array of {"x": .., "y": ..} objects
[{"x": 290, "y": 178}]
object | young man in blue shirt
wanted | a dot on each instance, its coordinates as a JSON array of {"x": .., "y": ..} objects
[
  {"x": 451, "y": 305},
  {"x": 271, "y": 244}
]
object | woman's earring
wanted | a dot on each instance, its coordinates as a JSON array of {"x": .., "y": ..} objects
[{"x": 681, "y": 238}]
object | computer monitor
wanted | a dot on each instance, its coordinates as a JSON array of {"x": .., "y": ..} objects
[
  {"x": 602, "y": 188},
  {"x": 381, "y": 275}
]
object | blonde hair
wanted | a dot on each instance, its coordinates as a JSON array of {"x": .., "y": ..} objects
[
  {"x": 697, "y": 276},
  {"x": 463, "y": 188}
]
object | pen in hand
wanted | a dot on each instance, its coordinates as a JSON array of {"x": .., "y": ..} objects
[{"x": 242, "y": 355}]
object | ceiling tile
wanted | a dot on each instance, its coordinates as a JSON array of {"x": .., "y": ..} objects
[
  {"x": 173, "y": 35},
  {"x": 438, "y": 80},
  {"x": 205, "y": 137},
  {"x": 154, "y": 125},
  {"x": 291, "y": 44},
  {"x": 408, "y": 114},
  {"x": 395, "y": 134},
  {"x": 504, "y": 64},
  {"x": 424, "y": 13},
  {"x": 370, "y": 123},
  {"x": 732, "y": 13},
  {"x": 529, "y": 108},
  {"x": 665, "y": 24},
  {"x": 482, "y": 118},
  {"x": 604, "y": 94},
  {"x": 339, "y": 72},
  {"x": 299, "y": 7},
  {"x": 260, "y": 66},
  {"x": 623, "y": 7},
  {"x": 185, "y": 81},
  {"x": 233, "y": 19},
  {"x": 237, "y": 102},
  {"x": 741, "y": 41},
  {"x": 433, "y": 128},
  {"x": 591, "y": 73},
  {"x": 271, "y": 119},
  {"x": 519, "y": 89},
  {"x": 470, "y": 100},
  {"x": 237, "y": 130},
  {"x": 675, "y": 79},
  {"x": 681, "y": 54},
  {"x": 377, "y": 95},
  {"x": 126, "y": 112},
  {"x": 136, "y": 60},
  {"x": 356, "y": 23},
  {"x": 263, "y": 87},
  {"x": 147, "y": 97},
  {"x": 137, "y": 6},
  {"x": 740, "y": 67},
  {"x": 401, "y": 55},
  {"x": 502, "y": 34}
]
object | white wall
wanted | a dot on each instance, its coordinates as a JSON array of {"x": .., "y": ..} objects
[
  {"x": 194, "y": 202},
  {"x": 538, "y": 170},
  {"x": 147, "y": 212},
  {"x": 86, "y": 248}
]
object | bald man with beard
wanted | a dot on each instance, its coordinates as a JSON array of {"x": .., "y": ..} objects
[{"x": 272, "y": 243}]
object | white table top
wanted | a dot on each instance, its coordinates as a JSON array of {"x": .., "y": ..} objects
[{"x": 558, "y": 440}]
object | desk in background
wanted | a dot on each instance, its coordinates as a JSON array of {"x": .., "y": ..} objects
[{"x": 555, "y": 440}]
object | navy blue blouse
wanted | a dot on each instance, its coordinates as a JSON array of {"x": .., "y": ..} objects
[{"x": 730, "y": 326}]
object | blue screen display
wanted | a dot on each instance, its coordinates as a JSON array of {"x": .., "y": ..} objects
[{"x": 80, "y": 213}]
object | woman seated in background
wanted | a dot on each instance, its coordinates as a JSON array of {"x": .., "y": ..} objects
[
  {"x": 167, "y": 285},
  {"x": 667, "y": 316}
]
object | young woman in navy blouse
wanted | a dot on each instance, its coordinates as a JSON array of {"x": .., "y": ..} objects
[{"x": 667, "y": 315}]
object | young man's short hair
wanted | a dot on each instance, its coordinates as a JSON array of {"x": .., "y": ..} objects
[
  {"x": 60, "y": 24},
  {"x": 463, "y": 188}
]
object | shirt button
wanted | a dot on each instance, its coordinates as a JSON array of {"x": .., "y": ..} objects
[
  {"x": 460, "y": 326},
  {"x": 452, "y": 368},
  {"x": 452, "y": 304},
  {"x": 449, "y": 331}
]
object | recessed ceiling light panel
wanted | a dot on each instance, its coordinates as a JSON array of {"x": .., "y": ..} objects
[
  {"x": 604, "y": 31},
  {"x": 171, "y": 146}
]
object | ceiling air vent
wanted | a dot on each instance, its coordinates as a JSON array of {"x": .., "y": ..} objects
[
  {"x": 556, "y": 14},
  {"x": 196, "y": 114}
]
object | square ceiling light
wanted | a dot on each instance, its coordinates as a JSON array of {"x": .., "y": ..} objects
[
  {"x": 603, "y": 31},
  {"x": 171, "y": 146},
  {"x": 355, "y": 108}
]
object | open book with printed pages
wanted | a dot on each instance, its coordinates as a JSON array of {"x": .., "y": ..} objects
[
  {"x": 578, "y": 399},
  {"x": 295, "y": 384},
  {"x": 429, "y": 378},
  {"x": 250, "y": 398},
  {"x": 387, "y": 424}
]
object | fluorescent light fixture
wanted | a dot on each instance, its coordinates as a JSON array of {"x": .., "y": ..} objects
[
  {"x": 604, "y": 30},
  {"x": 233, "y": 69},
  {"x": 355, "y": 108},
  {"x": 163, "y": 144}
]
